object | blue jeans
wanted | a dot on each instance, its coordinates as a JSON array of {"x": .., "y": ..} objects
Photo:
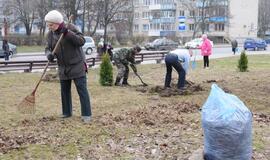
[
  {"x": 81, "y": 87},
  {"x": 171, "y": 60}
]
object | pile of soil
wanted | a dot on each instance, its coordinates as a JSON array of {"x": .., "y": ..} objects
[{"x": 191, "y": 88}]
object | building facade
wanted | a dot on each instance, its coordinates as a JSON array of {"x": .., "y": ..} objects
[{"x": 221, "y": 20}]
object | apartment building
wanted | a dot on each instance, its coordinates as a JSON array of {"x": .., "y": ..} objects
[{"x": 224, "y": 19}]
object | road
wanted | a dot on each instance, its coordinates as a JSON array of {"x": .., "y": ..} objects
[{"x": 218, "y": 52}]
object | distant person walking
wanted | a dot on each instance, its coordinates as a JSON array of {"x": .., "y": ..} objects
[
  {"x": 101, "y": 48},
  {"x": 206, "y": 50},
  {"x": 5, "y": 48},
  {"x": 178, "y": 59},
  {"x": 109, "y": 50},
  {"x": 234, "y": 44}
]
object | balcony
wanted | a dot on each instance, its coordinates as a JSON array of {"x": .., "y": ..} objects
[
  {"x": 162, "y": 7},
  {"x": 207, "y": 4},
  {"x": 154, "y": 33},
  {"x": 161, "y": 33},
  {"x": 155, "y": 7},
  {"x": 217, "y": 19},
  {"x": 163, "y": 20}
]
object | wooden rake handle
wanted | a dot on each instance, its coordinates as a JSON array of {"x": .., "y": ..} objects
[
  {"x": 47, "y": 65},
  {"x": 53, "y": 52}
]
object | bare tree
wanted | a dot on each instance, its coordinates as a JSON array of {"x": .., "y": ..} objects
[
  {"x": 25, "y": 11},
  {"x": 130, "y": 17},
  {"x": 71, "y": 7},
  {"x": 92, "y": 16},
  {"x": 108, "y": 10},
  {"x": 43, "y": 7},
  {"x": 264, "y": 18},
  {"x": 192, "y": 8},
  {"x": 205, "y": 12}
]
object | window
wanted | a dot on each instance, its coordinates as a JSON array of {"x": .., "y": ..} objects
[
  {"x": 220, "y": 11},
  {"x": 146, "y": 2},
  {"x": 157, "y": 2},
  {"x": 137, "y": 15},
  {"x": 136, "y": 2},
  {"x": 155, "y": 26},
  {"x": 207, "y": 27},
  {"x": 219, "y": 27},
  {"x": 136, "y": 27},
  {"x": 167, "y": 26},
  {"x": 181, "y": 13},
  {"x": 192, "y": 13},
  {"x": 191, "y": 27},
  {"x": 145, "y": 15},
  {"x": 145, "y": 27}
]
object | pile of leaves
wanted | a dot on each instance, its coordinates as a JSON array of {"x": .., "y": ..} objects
[{"x": 158, "y": 132}]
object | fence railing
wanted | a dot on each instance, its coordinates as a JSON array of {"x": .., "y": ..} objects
[{"x": 29, "y": 66}]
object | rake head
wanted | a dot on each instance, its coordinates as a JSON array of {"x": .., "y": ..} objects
[{"x": 27, "y": 106}]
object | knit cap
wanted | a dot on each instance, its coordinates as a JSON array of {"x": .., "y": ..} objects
[{"x": 54, "y": 16}]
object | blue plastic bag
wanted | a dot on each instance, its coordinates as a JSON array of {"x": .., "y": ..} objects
[{"x": 227, "y": 126}]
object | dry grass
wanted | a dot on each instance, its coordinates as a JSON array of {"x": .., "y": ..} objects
[{"x": 127, "y": 124}]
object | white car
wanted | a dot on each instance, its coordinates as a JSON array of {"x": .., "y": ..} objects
[
  {"x": 89, "y": 45},
  {"x": 196, "y": 42}
]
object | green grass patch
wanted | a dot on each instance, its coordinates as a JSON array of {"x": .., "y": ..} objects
[
  {"x": 29, "y": 49},
  {"x": 115, "y": 131}
]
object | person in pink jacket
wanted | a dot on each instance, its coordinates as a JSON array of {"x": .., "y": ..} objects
[{"x": 206, "y": 50}]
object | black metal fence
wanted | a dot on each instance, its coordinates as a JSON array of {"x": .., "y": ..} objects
[{"x": 29, "y": 66}]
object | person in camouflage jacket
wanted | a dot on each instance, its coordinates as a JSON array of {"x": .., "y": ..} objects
[{"x": 122, "y": 58}]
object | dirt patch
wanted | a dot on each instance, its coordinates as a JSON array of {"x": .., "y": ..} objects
[
  {"x": 260, "y": 117},
  {"x": 190, "y": 89},
  {"x": 51, "y": 77}
]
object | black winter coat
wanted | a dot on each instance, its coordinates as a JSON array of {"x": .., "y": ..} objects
[{"x": 69, "y": 54}]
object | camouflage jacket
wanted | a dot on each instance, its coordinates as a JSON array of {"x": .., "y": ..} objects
[{"x": 124, "y": 56}]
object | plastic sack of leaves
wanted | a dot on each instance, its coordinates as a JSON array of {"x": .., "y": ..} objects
[{"x": 227, "y": 126}]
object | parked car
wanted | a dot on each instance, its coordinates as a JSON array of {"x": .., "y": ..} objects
[
  {"x": 255, "y": 44},
  {"x": 89, "y": 45},
  {"x": 195, "y": 42},
  {"x": 161, "y": 44},
  {"x": 267, "y": 40},
  {"x": 12, "y": 49}
]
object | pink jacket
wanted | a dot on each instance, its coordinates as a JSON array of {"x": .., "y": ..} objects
[{"x": 206, "y": 48}]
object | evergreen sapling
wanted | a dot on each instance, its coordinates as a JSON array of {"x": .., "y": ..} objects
[
  {"x": 106, "y": 71},
  {"x": 243, "y": 62}
]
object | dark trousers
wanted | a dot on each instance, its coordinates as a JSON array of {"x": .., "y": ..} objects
[
  {"x": 81, "y": 87},
  {"x": 123, "y": 69},
  {"x": 234, "y": 50},
  {"x": 206, "y": 61},
  {"x": 6, "y": 56},
  {"x": 171, "y": 60}
]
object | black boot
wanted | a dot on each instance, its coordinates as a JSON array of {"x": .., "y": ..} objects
[
  {"x": 125, "y": 82},
  {"x": 117, "y": 81}
]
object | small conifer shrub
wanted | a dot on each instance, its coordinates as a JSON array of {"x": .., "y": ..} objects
[
  {"x": 243, "y": 62},
  {"x": 106, "y": 71}
]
